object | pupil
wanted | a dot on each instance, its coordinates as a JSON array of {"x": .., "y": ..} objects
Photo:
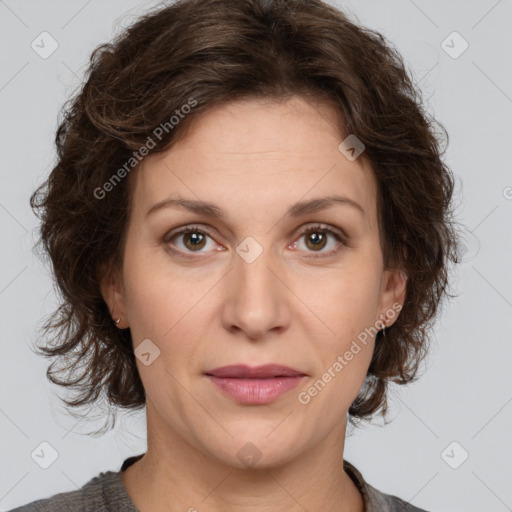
[
  {"x": 318, "y": 240},
  {"x": 195, "y": 239}
]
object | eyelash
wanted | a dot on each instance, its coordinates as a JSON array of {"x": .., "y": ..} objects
[{"x": 341, "y": 239}]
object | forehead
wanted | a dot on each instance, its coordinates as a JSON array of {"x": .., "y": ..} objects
[{"x": 252, "y": 155}]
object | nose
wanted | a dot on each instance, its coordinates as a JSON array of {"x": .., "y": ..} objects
[{"x": 257, "y": 297}]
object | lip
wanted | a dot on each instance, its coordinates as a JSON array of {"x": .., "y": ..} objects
[
  {"x": 255, "y": 385},
  {"x": 254, "y": 372}
]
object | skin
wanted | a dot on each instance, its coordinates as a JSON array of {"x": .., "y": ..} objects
[{"x": 253, "y": 159}]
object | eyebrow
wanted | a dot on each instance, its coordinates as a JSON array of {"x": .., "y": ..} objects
[{"x": 299, "y": 209}]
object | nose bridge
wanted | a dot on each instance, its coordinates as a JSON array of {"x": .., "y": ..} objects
[{"x": 257, "y": 300}]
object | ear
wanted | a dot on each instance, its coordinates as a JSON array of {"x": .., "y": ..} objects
[
  {"x": 392, "y": 298},
  {"x": 113, "y": 294}
]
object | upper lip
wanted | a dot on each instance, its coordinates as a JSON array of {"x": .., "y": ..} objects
[{"x": 254, "y": 372}]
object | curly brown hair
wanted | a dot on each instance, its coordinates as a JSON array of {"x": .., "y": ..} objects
[{"x": 205, "y": 53}]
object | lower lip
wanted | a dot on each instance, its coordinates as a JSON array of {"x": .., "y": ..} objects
[{"x": 255, "y": 391}]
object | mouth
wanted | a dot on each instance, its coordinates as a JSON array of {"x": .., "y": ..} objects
[
  {"x": 241, "y": 371},
  {"x": 255, "y": 385}
]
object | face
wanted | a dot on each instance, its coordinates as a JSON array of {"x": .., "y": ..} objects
[{"x": 248, "y": 285}]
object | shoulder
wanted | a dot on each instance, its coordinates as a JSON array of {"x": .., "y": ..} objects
[
  {"x": 99, "y": 494},
  {"x": 375, "y": 500},
  {"x": 383, "y": 502}
]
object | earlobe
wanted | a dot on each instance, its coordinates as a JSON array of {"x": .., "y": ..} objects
[{"x": 111, "y": 291}]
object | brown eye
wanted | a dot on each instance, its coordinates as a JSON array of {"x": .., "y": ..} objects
[
  {"x": 194, "y": 240},
  {"x": 189, "y": 239},
  {"x": 316, "y": 240}
]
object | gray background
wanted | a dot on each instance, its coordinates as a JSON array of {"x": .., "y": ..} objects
[{"x": 465, "y": 393}]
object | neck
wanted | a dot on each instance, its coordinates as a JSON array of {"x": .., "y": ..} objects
[{"x": 175, "y": 476}]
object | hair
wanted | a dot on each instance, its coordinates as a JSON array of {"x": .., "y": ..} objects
[{"x": 201, "y": 54}]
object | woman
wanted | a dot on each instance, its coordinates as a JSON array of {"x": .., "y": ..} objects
[{"x": 250, "y": 224}]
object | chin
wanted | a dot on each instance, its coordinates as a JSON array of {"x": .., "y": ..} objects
[{"x": 258, "y": 450}]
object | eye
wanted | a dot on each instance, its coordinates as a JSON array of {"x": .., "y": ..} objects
[
  {"x": 195, "y": 239},
  {"x": 317, "y": 238}
]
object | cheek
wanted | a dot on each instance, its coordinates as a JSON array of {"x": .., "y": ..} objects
[
  {"x": 345, "y": 302},
  {"x": 155, "y": 293},
  {"x": 346, "y": 305},
  {"x": 166, "y": 304},
  {"x": 345, "y": 299}
]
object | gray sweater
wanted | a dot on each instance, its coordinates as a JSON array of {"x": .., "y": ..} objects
[{"x": 106, "y": 493}]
